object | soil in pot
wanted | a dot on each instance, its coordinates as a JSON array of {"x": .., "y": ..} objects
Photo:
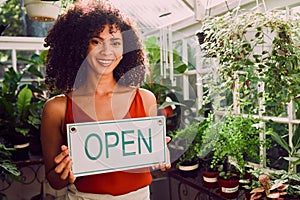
[{"x": 229, "y": 187}]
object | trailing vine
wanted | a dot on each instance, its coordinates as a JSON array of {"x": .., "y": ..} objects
[{"x": 255, "y": 47}]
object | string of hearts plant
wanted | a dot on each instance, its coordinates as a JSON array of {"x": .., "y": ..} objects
[{"x": 254, "y": 47}]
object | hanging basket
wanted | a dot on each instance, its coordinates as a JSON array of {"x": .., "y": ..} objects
[{"x": 42, "y": 11}]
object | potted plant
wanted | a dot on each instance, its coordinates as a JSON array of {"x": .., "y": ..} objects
[
  {"x": 20, "y": 110},
  {"x": 293, "y": 151},
  {"x": 184, "y": 140},
  {"x": 189, "y": 139},
  {"x": 42, "y": 11},
  {"x": 210, "y": 171},
  {"x": 292, "y": 179},
  {"x": 238, "y": 141},
  {"x": 269, "y": 188},
  {"x": 45, "y": 10}
]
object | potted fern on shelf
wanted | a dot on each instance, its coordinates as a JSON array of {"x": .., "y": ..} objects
[
  {"x": 188, "y": 140},
  {"x": 20, "y": 109},
  {"x": 237, "y": 143},
  {"x": 209, "y": 170}
]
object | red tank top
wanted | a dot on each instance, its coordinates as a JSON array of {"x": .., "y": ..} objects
[{"x": 114, "y": 183}]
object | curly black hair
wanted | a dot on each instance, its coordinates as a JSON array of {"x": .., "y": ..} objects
[{"x": 69, "y": 37}]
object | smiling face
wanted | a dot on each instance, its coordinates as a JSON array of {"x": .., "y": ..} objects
[{"x": 105, "y": 50}]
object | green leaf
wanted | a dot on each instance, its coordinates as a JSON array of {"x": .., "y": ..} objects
[
  {"x": 33, "y": 70},
  {"x": 24, "y": 99},
  {"x": 296, "y": 138},
  {"x": 23, "y": 131},
  {"x": 180, "y": 68},
  {"x": 281, "y": 142}
]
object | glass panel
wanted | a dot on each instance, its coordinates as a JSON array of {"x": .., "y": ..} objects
[
  {"x": 191, "y": 53},
  {"x": 177, "y": 45},
  {"x": 192, "y": 87}
]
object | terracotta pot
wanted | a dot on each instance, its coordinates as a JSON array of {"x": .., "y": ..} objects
[
  {"x": 229, "y": 188},
  {"x": 210, "y": 179}
]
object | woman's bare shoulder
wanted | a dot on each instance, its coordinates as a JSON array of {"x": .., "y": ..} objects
[
  {"x": 149, "y": 101},
  {"x": 147, "y": 94},
  {"x": 57, "y": 103},
  {"x": 57, "y": 99}
]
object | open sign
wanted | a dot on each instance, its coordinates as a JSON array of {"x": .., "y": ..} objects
[{"x": 107, "y": 146}]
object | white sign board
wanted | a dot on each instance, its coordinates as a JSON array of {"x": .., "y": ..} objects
[{"x": 100, "y": 147}]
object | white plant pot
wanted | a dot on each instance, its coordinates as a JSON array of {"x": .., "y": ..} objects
[{"x": 42, "y": 11}]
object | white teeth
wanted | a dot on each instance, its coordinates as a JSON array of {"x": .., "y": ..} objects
[{"x": 105, "y": 61}]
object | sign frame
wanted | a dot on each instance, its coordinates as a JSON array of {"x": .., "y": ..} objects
[{"x": 79, "y": 169}]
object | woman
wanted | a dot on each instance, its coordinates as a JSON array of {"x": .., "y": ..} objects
[{"x": 96, "y": 60}]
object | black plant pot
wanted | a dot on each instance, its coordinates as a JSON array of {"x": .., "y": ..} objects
[
  {"x": 21, "y": 152},
  {"x": 189, "y": 168},
  {"x": 21, "y": 145}
]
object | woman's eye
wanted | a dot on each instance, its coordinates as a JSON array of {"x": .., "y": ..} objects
[
  {"x": 116, "y": 43},
  {"x": 96, "y": 42}
]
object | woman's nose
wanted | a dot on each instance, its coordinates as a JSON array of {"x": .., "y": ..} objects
[{"x": 105, "y": 48}]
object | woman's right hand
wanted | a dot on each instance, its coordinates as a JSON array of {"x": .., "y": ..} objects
[{"x": 64, "y": 164}]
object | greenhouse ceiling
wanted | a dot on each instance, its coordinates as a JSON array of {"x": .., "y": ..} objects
[
  {"x": 158, "y": 13},
  {"x": 154, "y": 14}
]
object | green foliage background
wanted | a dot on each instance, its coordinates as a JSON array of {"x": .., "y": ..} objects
[{"x": 11, "y": 13}]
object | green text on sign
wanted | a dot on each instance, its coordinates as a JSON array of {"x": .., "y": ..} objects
[{"x": 142, "y": 140}]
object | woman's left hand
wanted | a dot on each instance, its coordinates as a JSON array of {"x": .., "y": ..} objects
[
  {"x": 167, "y": 165},
  {"x": 64, "y": 165}
]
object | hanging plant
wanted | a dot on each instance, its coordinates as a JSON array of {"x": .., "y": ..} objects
[{"x": 255, "y": 47}]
